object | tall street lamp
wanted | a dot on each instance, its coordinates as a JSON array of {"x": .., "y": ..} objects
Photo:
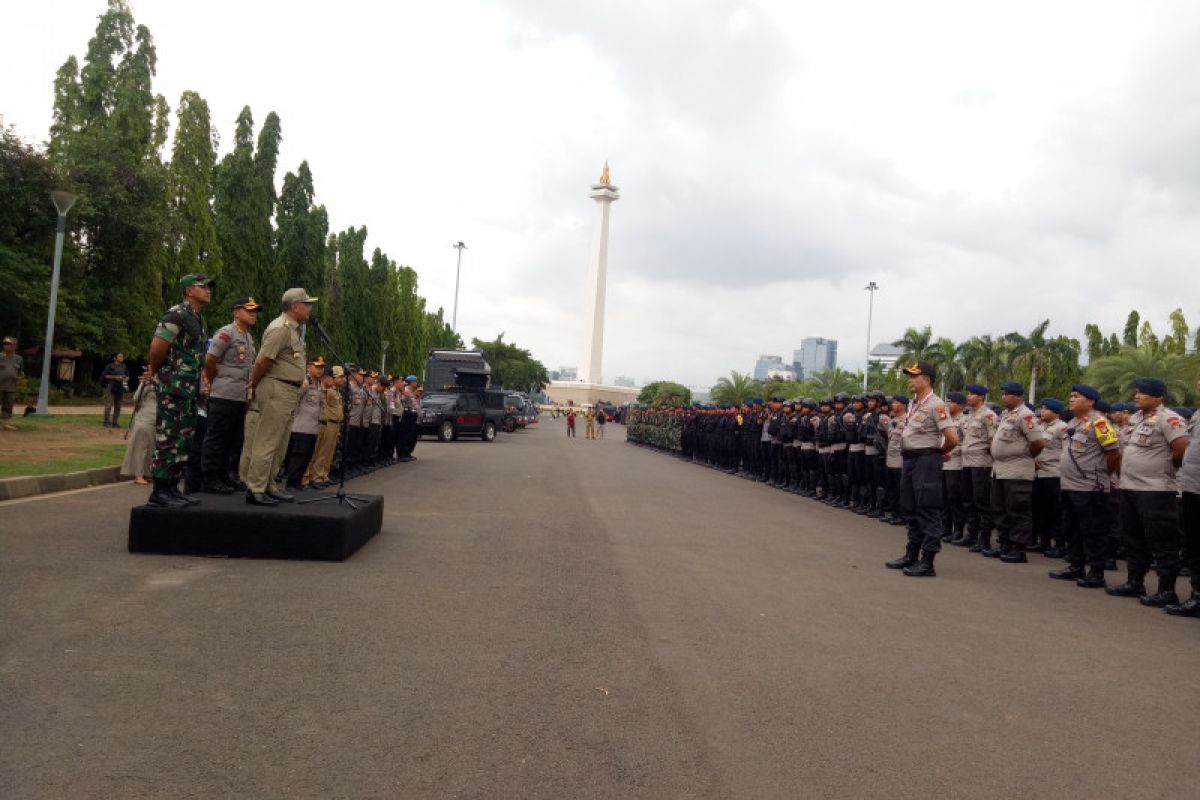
[
  {"x": 871, "y": 287},
  {"x": 383, "y": 363},
  {"x": 63, "y": 202},
  {"x": 459, "y": 246}
]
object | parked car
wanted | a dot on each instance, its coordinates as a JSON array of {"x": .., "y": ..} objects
[
  {"x": 608, "y": 410},
  {"x": 449, "y": 415}
]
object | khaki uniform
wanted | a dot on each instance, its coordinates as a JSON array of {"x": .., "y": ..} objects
[
  {"x": 269, "y": 415},
  {"x": 327, "y": 438},
  {"x": 10, "y": 368}
]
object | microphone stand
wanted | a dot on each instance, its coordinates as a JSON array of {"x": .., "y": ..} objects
[{"x": 340, "y": 495}]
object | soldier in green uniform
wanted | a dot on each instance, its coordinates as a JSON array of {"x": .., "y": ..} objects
[
  {"x": 175, "y": 362},
  {"x": 275, "y": 381},
  {"x": 10, "y": 370}
]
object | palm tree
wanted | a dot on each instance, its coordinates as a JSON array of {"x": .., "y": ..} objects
[
  {"x": 1113, "y": 375},
  {"x": 945, "y": 357},
  {"x": 983, "y": 359},
  {"x": 917, "y": 345},
  {"x": 737, "y": 388},
  {"x": 833, "y": 381},
  {"x": 1040, "y": 355}
]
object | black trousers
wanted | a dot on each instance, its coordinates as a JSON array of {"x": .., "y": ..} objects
[
  {"x": 954, "y": 515},
  {"x": 1012, "y": 506},
  {"x": 921, "y": 498},
  {"x": 1189, "y": 517},
  {"x": 192, "y": 475},
  {"x": 356, "y": 449},
  {"x": 223, "y": 440},
  {"x": 371, "y": 450},
  {"x": 300, "y": 451},
  {"x": 1085, "y": 526},
  {"x": 1046, "y": 512},
  {"x": 387, "y": 440},
  {"x": 407, "y": 435},
  {"x": 894, "y": 475},
  {"x": 1151, "y": 527},
  {"x": 977, "y": 488}
]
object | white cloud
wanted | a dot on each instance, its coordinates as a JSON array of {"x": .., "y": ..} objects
[{"x": 988, "y": 165}]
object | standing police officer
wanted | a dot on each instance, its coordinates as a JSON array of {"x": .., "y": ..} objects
[
  {"x": 176, "y": 353},
  {"x": 928, "y": 434},
  {"x": 275, "y": 384},
  {"x": 227, "y": 367},
  {"x": 1017, "y": 442},
  {"x": 1091, "y": 453},
  {"x": 1157, "y": 441}
]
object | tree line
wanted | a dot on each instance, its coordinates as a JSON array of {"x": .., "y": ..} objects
[
  {"x": 151, "y": 210},
  {"x": 1048, "y": 366}
]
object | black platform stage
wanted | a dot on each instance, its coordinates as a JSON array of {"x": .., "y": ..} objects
[{"x": 226, "y": 525}]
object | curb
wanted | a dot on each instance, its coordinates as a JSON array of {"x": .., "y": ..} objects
[{"x": 14, "y": 488}]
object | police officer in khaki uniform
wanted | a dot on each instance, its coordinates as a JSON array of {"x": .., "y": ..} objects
[
  {"x": 332, "y": 382},
  {"x": 1091, "y": 453},
  {"x": 928, "y": 434},
  {"x": 978, "y": 430},
  {"x": 227, "y": 367},
  {"x": 1017, "y": 442},
  {"x": 10, "y": 369},
  {"x": 1157, "y": 442},
  {"x": 1047, "y": 489},
  {"x": 275, "y": 381},
  {"x": 306, "y": 425}
]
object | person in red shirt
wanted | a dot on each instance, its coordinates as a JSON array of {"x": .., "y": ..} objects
[{"x": 571, "y": 419}]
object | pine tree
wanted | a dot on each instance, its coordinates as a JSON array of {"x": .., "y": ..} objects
[
  {"x": 108, "y": 130},
  {"x": 193, "y": 233},
  {"x": 243, "y": 216},
  {"x": 300, "y": 232}
]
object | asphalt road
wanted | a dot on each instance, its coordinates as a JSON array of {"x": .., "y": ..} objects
[{"x": 552, "y": 618}]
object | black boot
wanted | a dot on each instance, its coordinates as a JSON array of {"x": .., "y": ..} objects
[
  {"x": 1165, "y": 596},
  {"x": 1014, "y": 556},
  {"x": 1093, "y": 580},
  {"x": 984, "y": 542},
  {"x": 1132, "y": 587},
  {"x": 908, "y": 559},
  {"x": 214, "y": 485},
  {"x": 173, "y": 488},
  {"x": 1067, "y": 573},
  {"x": 923, "y": 568},
  {"x": 163, "y": 497},
  {"x": 1189, "y": 607}
]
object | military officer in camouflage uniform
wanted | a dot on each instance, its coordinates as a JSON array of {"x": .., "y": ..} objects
[
  {"x": 175, "y": 362},
  {"x": 275, "y": 383}
]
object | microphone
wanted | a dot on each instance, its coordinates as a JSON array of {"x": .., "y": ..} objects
[{"x": 316, "y": 323}]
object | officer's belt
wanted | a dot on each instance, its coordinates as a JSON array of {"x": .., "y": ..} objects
[
  {"x": 918, "y": 452},
  {"x": 297, "y": 384},
  {"x": 837, "y": 448}
]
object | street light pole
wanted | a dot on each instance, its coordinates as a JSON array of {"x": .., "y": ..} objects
[
  {"x": 871, "y": 287},
  {"x": 459, "y": 246},
  {"x": 63, "y": 202},
  {"x": 383, "y": 364}
]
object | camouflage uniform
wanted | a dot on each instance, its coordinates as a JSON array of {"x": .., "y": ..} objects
[{"x": 177, "y": 383}]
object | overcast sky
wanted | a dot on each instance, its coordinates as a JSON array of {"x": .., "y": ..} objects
[{"x": 988, "y": 164}]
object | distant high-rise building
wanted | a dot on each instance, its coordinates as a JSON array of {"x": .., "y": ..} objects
[
  {"x": 764, "y": 365},
  {"x": 815, "y": 354}
]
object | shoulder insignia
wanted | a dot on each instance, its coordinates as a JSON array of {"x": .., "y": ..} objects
[
  {"x": 1175, "y": 422},
  {"x": 1029, "y": 421},
  {"x": 224, "y": 336},
  {"x": 941, "y": 411}
]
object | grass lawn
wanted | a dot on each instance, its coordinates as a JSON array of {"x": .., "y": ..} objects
[{"x": 54, "y": 444}]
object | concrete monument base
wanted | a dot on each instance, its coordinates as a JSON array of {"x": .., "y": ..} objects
[{"x": 586, "y": 394}]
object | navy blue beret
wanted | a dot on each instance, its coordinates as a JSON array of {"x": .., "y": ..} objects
[
  {"x": 957, "y": 397},
  {"x": 1151, "y": 386},
  {"x": 1054, "y": 405},
  {"x": 1103, "y": 407},
  {"x": 977, "y": 388},
  {"x": 900, "y": 398},
  {"x": 1012, "y": 387},
  {"x": 1184, "y": 411},
  {"x": 1087, "y": 391}
]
